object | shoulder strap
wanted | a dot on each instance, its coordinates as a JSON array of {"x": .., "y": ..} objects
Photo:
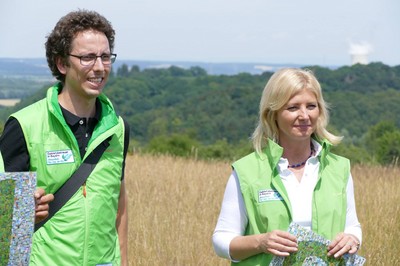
[
  {"x": 68, "y": 189},
  {"x": 126, "y": 146},
  {"x": 126, "y": 136}
]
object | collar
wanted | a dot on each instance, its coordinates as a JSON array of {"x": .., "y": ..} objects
[
  {"x": 273, "y": 151},
  {"x": 72, "y": 119},
  {"x": 283, "y": 162}
]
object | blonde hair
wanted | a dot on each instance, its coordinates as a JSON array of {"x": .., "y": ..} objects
[{"x": 280, "y": 88}]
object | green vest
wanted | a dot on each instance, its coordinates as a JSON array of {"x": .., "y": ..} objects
[
  {"x": 1, "y": 164},
  {"x": 258, "y": 176},
  {"x": 83, "y": 231}
]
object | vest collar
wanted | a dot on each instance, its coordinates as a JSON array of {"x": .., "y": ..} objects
[{"x": 273, "y": 152}]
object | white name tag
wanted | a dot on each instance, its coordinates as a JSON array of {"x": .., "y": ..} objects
[
  {"x": 268, "y": 195},
  {"x": 59, "y": 157}
]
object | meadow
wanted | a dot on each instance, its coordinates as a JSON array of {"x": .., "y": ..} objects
[
  {"x": 9, "y": 102},
  {"x": 174, "y": 204}
]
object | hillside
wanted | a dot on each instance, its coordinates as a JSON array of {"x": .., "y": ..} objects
[
  {"x": 190, "y": 108},
  {"x": 214, "y": 107}
]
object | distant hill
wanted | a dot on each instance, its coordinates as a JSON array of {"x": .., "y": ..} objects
[
  {"x": 12, "y": 67},
  {"x": 22, "y": 77},
  {"x": 210, "y": 68},
  {"x": 189, "y": 107},
  {"x": 37, "y": 67}
]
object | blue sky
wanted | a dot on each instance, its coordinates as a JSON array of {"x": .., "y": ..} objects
[{"x": 310, "y": 32}]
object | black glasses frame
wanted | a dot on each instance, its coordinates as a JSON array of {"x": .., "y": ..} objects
[{"x": 91, "y": 59}]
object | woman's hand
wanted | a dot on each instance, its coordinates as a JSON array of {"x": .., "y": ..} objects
[
  {"x": 279, "y": 243},
  {"x": 342, "y": 244},
  {"x": 42, "y": 204}
]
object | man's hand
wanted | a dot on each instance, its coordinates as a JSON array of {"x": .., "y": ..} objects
[{"x": 42, "y": 204}]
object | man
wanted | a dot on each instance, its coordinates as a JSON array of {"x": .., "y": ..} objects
[{"x": 55, "y": 135}]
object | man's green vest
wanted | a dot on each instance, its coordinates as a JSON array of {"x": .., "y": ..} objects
[
  {"x": 267, "y": 203},
  {"x": 1, "y": 164},
  {"x": 83, "y": 231}
]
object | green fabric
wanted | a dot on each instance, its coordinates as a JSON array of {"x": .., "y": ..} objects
[
  {"x": 1, "y": 164},
  {"x": 83, "y": 231},
  {"x": 258, "y": 173}
]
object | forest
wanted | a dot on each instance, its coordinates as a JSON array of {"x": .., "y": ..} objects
[{"x": 187, "y": 112}]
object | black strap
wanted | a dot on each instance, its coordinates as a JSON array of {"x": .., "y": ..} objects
[
  {"x": 126, "y": 146},
  {"x": 68, "y": 189}
]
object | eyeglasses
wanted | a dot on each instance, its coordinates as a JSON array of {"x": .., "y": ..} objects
[{"x": 90, "y": 59}]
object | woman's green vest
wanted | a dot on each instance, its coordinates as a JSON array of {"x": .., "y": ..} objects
[
  {"x": 83, "y": 231},
  {"x": 259, "y": 179}
]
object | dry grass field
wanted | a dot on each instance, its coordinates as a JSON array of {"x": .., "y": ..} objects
[
  {"x": 174, "y": 204},
  {"x": 9, "y": 102}
]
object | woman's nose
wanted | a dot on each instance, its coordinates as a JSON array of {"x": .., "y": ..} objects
[{"x": 303, "y": 113}]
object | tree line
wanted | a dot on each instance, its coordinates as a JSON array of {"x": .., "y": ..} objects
[{"x": 187, "y": 112}]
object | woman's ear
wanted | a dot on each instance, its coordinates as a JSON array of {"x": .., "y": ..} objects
[{"x": 61, "y": 65}]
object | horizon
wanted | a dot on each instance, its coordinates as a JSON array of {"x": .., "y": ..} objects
[
  {"x": 19, "y": 67},
  {"x": 118, "y": 60},
  {"x": 37, "y": 67}
]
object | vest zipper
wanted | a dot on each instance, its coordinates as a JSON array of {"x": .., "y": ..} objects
[{"x": 84, "y": 189}]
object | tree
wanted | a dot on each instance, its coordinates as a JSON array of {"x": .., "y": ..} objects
[
  {"x": 176, "y": 144},
  {"x": 388, "y": 148},
  {"x": 123, "y": 71},
  {"x": 376, "y": 132}
]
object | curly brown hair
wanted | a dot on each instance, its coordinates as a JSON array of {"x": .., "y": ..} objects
[{"x": 58, "y": 44}]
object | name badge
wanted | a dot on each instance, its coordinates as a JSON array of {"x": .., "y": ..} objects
[
  {"x": 268, "y": 195},
  {"x": 59, "y": 157}
]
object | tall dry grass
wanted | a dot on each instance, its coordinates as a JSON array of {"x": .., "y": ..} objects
[
  {"x": 377, "y": 192},
  {"x": 174, "y": 204}
]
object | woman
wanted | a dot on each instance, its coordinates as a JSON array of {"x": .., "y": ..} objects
[{"x": 291, "y": 177}]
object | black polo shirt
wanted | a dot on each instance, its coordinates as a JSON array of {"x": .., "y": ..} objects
[{"x": 81, "y": 127}]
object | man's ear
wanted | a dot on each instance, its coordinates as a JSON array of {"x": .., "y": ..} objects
[{"x": 61, "y": 65}]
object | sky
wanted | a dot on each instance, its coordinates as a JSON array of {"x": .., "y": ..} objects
[{"x": 307, "y": 32}]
